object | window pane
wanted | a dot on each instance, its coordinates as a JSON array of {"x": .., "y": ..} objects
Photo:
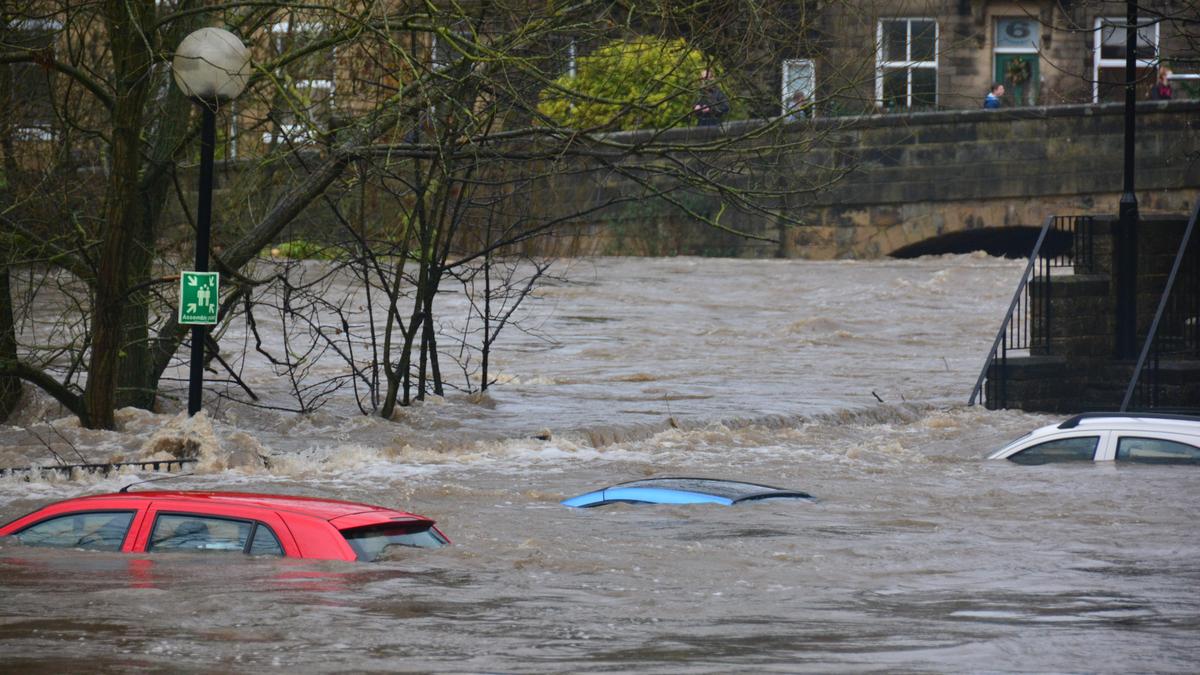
[
  {"x": 924, "y": 87},
  {"x": 98, "y": 531},
  {"x": 265, "y": 542},
  {"x": 924, "y": 41},
  {"x": 895, "y": 40},
  {"x": 895, "y": 88},
  {"x": 798, "y": 86},
  {"x": 1112, "y": 40},
  {"x": 1156, "y": 451},
  {"x": 798, "y": 76},
  {"x": 198, "y": 533},
  {"x": 1147, "y": 47},
  {"x": 1017, "y": 33},
  {"x": 379, "y": 541},
  {"x": 1081, "y": 448}
]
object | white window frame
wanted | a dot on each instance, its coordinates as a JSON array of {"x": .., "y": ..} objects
[
  {"x": 1098, "y": 42},
  {"x": 786, "y": 79},
  {"x": 300, "y": 132},
  {"x": 881, "y": 65}
]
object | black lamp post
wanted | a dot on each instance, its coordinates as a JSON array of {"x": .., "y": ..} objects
[
  {"x": 211, "y": 66},
  {"x": 1125, "y": 240}
]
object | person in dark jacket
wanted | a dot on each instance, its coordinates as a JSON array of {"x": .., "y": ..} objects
[{"x": 713, "y": 105}]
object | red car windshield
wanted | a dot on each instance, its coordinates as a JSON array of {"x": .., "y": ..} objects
[{"x": 377, "y": 542}]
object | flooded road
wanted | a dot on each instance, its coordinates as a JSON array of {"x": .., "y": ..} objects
[{"x": 916, "y": 556}]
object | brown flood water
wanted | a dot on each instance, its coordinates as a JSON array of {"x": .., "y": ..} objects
[{"x": 918, "y": 555}]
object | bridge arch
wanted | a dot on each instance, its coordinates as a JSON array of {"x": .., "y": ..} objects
[{"x": 1009, "y": 241}]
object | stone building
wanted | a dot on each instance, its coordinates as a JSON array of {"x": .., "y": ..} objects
[
  {"x": 839, "y": 58},
  {"x": 944, "y": 54}
]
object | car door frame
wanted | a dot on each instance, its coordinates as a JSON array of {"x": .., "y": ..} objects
[
  {"x": 69, "y": 508},
  {"x": 208, "y": 510},
  {"x": 1107, "y": 448},
  {"x": 1186, "y": 439},
  {"x": 1103, "y": 444}
]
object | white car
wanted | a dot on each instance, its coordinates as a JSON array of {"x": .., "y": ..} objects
[{"x": 1105, "y": 437}]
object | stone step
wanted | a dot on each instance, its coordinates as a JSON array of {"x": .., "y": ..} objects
[{"x": 1052, "y": 384}]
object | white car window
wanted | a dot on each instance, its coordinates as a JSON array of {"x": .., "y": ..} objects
[
  {"x": 1073, "y": 449},
  {"x": 1156, "y": 451}
]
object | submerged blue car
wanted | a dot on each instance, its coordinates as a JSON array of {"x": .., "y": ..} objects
[{"x": 671, "y": 490}]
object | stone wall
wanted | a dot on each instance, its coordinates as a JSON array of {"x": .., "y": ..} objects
[
  {"x": 909, "y": 178},
  {"x": 893, "y": 181}
]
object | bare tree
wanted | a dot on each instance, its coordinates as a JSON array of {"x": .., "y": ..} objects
[{"x": 413, "y": 129}]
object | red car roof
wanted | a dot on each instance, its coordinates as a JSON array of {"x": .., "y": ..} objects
[{"x": 326, "y": 509}]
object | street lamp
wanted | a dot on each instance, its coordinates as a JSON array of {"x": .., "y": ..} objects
[
  {"x": 1127, "y": 220},
  {"x": 211, "y": 67}
]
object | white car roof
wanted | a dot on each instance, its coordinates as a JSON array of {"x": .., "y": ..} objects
[
  {"x": 1181, "y": 425},
  {"x": 1185, "y": 424}
]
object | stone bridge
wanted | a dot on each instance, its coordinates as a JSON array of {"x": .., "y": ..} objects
[{"x": 928, "y": 183}]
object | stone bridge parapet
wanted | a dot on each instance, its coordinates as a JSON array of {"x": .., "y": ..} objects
[{"x": 911, "y": 178}]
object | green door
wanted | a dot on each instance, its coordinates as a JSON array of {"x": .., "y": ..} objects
[{"x": 1019, "y": 73}]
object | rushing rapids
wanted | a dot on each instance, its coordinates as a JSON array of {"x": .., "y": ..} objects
[{"x": 842, "y": 379}]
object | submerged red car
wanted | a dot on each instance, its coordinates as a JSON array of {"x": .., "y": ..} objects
[{"x": 254, "y": 524}]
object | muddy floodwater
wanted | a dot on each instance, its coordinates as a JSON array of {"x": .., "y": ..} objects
[{"x": 847, "y": 380}]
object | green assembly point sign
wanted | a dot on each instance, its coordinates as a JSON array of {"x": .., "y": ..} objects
[{"x": 198, "y": 297}]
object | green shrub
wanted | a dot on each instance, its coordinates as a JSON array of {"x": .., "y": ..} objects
[
  {"x": 641, "y": 83},
  {"x": 299, "y": 249}
]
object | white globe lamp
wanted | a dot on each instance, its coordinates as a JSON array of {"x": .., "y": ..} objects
[{"x": 211, "y": 65}]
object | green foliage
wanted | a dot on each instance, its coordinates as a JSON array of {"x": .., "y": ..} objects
[{"x": 641, "y": 83}]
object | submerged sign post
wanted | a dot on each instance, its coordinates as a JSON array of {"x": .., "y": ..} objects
[{"x": 198, "y": 298}]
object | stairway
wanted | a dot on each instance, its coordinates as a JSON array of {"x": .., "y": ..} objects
[{"x": 1066, "y": 365}]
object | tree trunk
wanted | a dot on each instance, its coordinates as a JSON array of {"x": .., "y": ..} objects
[
  {"x": 137, "y": 383},
  {"x": 126, "y": 23},
  {"x": 10, "y": 387}
]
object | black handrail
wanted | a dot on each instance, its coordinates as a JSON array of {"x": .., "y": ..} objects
[
  {"x": 1162, "y": 306},
  {"x": 1016, "y": 328},
  {"x": 1012, "y": 310}
]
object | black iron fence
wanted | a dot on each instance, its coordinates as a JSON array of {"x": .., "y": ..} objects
[
  {"x": 1064, "y": 242},
  {"x": 1174, "y": 334}
]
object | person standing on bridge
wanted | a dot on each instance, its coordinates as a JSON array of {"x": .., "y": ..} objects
[
  {"x": 992, "y": 100},
  {"x": 1161, "y": 89},
  {"x": 713, "y": 104}
]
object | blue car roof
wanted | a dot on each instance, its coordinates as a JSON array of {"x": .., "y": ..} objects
[{"x": 679, "y": 490}]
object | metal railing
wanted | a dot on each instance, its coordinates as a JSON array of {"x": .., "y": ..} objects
[
  {"x": 99, "y": 468},
  {"x": 1175, "y": 330},
  {"x": 1068, "y": 241}
]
